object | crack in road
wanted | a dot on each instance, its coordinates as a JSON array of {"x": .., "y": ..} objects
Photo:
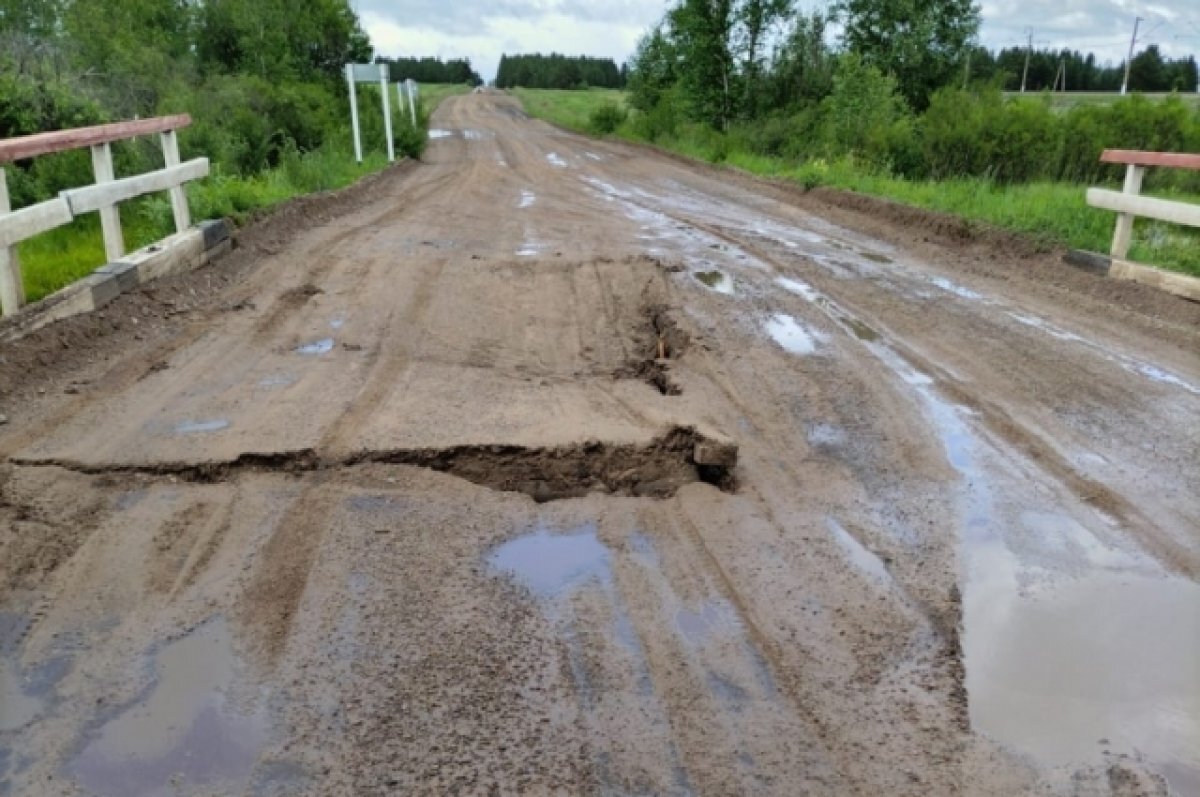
[{"x": 656, "y": 469}]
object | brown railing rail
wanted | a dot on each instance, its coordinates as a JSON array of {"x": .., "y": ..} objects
[{"x": 22, "y": 147}]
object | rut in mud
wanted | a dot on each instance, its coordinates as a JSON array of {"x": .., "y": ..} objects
[
  {"x": 552, "y": 465},
  {"x": 656, "y": 469}
]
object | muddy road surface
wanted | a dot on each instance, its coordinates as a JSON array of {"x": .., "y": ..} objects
[{"x": 430, "y": 488}]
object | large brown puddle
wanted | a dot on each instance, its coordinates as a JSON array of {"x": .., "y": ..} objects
[{"x": 186, "y": 731}]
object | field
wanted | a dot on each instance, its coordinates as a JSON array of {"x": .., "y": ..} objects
[
  {"x": 1053, "y": 213},
  {"x": 566, "y": 108},
  {"x": 1068, "y": 99}
]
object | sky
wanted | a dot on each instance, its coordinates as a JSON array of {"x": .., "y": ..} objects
[{"x": 483, "y": 29}]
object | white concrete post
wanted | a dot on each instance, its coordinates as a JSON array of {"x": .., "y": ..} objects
[
  {"x": 387, "y": 112},
  {"x": 1124, "y": 232},
  {"x": 179, "y": 205},
  {"x": 12, "y": 290},
  {"x": 354, "y": 112},
  {"x": 412, "y": 102},
  {"x": 110, "y": 217}
]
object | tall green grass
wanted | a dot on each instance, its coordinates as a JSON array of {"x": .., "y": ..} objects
[{"x": 570, "y": 109}]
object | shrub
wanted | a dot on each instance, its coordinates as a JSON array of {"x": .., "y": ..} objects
[
  {"x": 607, "y": 117},
  {"x": 861, "y": 111}
]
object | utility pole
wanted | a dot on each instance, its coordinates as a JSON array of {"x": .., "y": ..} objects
[
  {"x": 1028, "y": 52},
  {"x": 1129, "y": 61}
]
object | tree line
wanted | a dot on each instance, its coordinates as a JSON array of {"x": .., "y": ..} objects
[
  {"x": 1071, "y": 70},
  {"x": 904, "y": 88},
  {"x": 431, "y": 70},
  {"x": 554, "y": 71}
]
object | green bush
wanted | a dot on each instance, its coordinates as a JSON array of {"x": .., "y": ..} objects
[
  {"x": 862, "y": 111},
  {"x": 607, "y": 117}
]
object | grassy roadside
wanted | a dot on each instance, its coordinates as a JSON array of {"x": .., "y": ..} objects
[
  {"x": 57, "y": 258},
  {"x": 572, "y": 109},
  {"x": 1052, "y": 212}
]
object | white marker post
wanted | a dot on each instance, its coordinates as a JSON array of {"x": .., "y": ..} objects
[
  {"x": 387, "y": 112},
  {"x": 411, "y": 85},
  {"x": 354, "y": 112},
  {"x": 401, "y": 105}
]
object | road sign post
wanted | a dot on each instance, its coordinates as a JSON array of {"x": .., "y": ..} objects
[{"x": 369, "y": 73}]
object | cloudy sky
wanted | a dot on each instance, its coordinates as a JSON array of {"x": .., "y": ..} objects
[{"x": 483, "y": 29}]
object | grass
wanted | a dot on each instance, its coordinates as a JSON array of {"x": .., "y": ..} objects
[
  {"x": 1053, "y": 213},
  {"x": 571, "y": 109},
  {"x": 432, "y": 94},
  {"x": 57, "y": 258},
  {"x": 1062, "y": 100}
]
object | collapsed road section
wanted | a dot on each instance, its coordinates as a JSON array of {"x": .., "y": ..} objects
[{"x": 550, "y": 465}]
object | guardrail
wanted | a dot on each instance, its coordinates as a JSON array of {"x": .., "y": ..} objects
[
  {"x": 103, "y": 196},
  {"x": 1129, "y": 204}
]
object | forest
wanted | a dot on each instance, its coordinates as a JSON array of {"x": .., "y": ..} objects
[
  {"x": 554, "y": 71},
  {"x": 432, "y": 70}
]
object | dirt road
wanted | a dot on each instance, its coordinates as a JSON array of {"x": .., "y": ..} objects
[{"x": 428, "y": 489}]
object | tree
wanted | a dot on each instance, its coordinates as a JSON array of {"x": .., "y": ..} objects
[
  {"x": 652, "y": 69},
  {"x": 920, "y": 43},
  {"x": 701, "y": 32},
  {"x": 755, "y": 20}
]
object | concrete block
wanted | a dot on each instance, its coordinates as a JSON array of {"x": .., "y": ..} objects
[
  {"x": 214, "y": 231},
  {"x": 1088, "y": 261},
  {"x": 102, "y": 288},
  {"x": 123, "y": 271}
]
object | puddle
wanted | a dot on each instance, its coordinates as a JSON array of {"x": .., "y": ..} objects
[
  {"x": 17, "y": 708},
  {"x": 527, "y": 199},
  {"x": 476, "y": 135},
  {"x": 184, "y": 732},
  {"x": 1068, "y": 640},
  {"x": 859, "y": 556},
  {"x": 799, "y": 288},
  {"x": 436, "y": 133},
  {"x": 527, "y": 251},
  {"x": 707, "y": 622},
  {"x": 555, "y": 160},
  {"x": 791, "y": 335},
  {"x": 1108, "y": 655},
  {"x": 1156, "y": 374},
  {"x": 322, "y": 346},
  {"x": 337, "y": 323},
  {"x": 861, "y": 330},
  {"x": 718, "y": 281},
  {"x": 553, "y": 564},
  {"x": 594, "y": 156},
  {"x": 956, "y": 289},
  {"x": 197, "y": 427},
  {"x": 875, "y": 257},
  {"x": 277, "y": 380}
]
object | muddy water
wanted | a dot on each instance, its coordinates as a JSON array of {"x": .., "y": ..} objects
[
  {"x": 1069, "y": 668},
  {"x": 553, "y": 564},
  {"x": 1075, "y": 648},
  {"x": 322, "y": 346},
  {"x": 17, "y": 708},
  {"x": 792, "y": 335},
  {"x": 184, "y": 731}
]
